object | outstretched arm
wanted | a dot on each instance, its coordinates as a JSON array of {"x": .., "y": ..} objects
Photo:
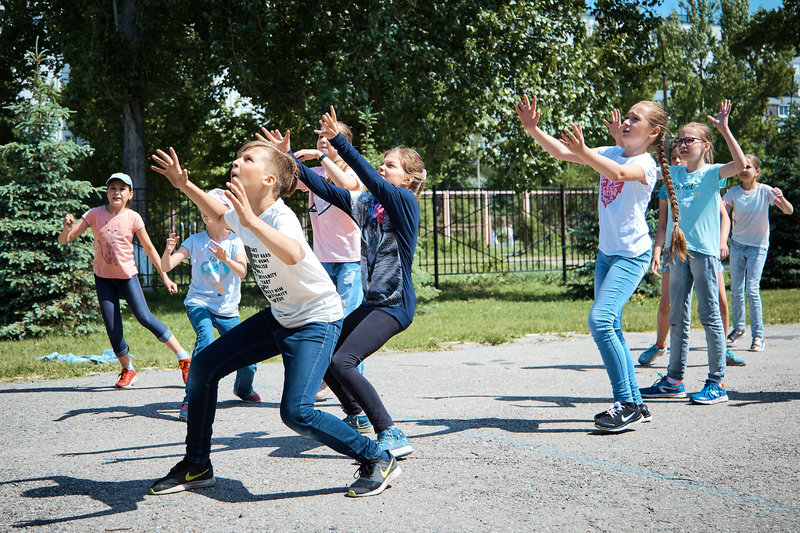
[
  {"x": 721, "y": 123},
  {"x": 170, "y": 167},
  {"x": 529, "y": 115},
  {"x": 573, "y": 141},
  {"x": 338, "y": 176}
]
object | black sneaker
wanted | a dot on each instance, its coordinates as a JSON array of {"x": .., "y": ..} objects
[
  {"x": 374, "y": 476},
  {"x": 618, "y": 417},
  {"x": 184, "y": 476},
  {"x": 646, "y": 416}
]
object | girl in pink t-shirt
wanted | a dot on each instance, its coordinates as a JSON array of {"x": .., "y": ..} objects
[{"x": 113, "y": 227}]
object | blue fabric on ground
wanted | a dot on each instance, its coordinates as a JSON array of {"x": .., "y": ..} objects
[{"x": 107, "y": 357}]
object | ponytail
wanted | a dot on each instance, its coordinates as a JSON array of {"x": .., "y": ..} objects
[{"x": 677, "y": 247}]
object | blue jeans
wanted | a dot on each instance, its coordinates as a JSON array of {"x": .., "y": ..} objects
[
  {"x": 747, "y": 263},
  {"x": 204, "y": 321},
  {"x": 347, "y": 278},
  {"x": 615, "y": 280},
  {"x": 699, "y": 270},
  {"x": 306, "y": 351},
  {"x": 109, "y": 291}
]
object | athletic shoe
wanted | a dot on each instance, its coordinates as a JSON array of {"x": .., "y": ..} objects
[
  {"x": 373, "y": 477},
  {"x": 126, "y": 379},
  {"x": 253, "y": 397},
  {"x": 646, "y": 416},
  {"x": 758, "y": 344},
  {"x": 618, "y": 417},
  {"x": 184, "y": 364},
  {"x": 183, "y": 411},
  {"x": 712, "y": 393},
  {"x": 323, "y": 392},
  {"x": 184, "y": 476},
  {"x": 734, "y": 336},
  {"x": 731, "y": 359},
  {"x": 359, "y": 422},
  {"x": 394, "y": 441},
  {"x": 647, "y": 357},
  {"x": 663, "y": 389}
]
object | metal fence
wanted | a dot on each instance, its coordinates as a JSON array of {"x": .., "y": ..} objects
[{"x": 466, "y": 231}]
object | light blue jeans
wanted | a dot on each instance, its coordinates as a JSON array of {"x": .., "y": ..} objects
[
  {"x": 203, "y": 322},
  {"x": 347, "y": 278},
  {"x": 698, "y": 270},
  {"x": 747, "y": 264},
  {"x": 615, "y": 280}
]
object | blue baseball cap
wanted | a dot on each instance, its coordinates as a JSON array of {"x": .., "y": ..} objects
[{"x": 124, "y": 178}]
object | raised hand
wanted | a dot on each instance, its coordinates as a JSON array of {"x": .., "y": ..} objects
[
  {"x": 329, "y": 127},
  {"x": 172, "y": 241},
  {"x": 615, "y": 126},
  {"x": 279, "y": 141},
  {"x": 218, "y": 251},
  {"x": 528, "y": 113},
  {"x": 170, "y": 167},
  {"x": 69, "y": 222},
  {"x": 775, "y": 190},
  {"x": 238, "y": 198},
  {"x": 573, "y": 140},
  {"x": 721, "y": 120}
]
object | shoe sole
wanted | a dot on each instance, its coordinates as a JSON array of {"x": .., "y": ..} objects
[
  {"x": 129, "y": 385},
  {"x": 383, "y": 486},
  {"x": 619, "y": 428},
  {"x": 643, "y": 362},
  {"x": 735, "y": 363},
  {"x": 185, "y": 486},
  {"x": 401, "y": 451},
  {"x": 721, "y": 399},
  {"x": 665, "y": 395}
]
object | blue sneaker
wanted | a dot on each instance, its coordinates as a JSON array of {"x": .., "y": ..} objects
[
  {"x": 359, "y": 422},
  {"x": 648, "y": 356},
  {"x": 394, "y": 441},
  {"x": 731, "y": 359},
  {"x": 712, "y": 393},
  {"x": 663, "y": 389}
]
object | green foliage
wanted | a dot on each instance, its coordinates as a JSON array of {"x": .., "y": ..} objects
[
  {"x": 368, "y": 118},
  {"x": 423, "y": 281},
  {"x": 44, "y": 287},
  {"x": 782, "y": 269},
  {"x": 585, "y": 235}
]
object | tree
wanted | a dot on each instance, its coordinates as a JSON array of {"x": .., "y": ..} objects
[{"x": 43, "y": 287}]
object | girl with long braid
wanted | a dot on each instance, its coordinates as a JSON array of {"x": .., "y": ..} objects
[
  {"x": 694, "y": 203},
  {"x": 627, "y": 177}
]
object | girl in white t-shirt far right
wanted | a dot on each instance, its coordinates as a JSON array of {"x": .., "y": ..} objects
[
  {"x": 627, "y": 176},
  {"x": 748, "y": 206}
]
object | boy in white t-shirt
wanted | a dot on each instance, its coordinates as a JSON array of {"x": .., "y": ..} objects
[
  {"x": 212, "y": 301},
  {"x": 302, "y": 323}
]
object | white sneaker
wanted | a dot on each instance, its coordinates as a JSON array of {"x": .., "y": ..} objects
[{"x": 758, "y": 344}]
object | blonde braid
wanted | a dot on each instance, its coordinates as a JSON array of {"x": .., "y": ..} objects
[{"x": 677, "y": 247}]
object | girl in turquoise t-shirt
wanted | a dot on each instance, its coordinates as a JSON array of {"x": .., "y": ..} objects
[{"x": 694, "y": 203}]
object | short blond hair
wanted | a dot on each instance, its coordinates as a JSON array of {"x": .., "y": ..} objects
[{"x": 279, "y": 164}]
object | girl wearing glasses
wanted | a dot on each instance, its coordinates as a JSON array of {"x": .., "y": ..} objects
[{"x": 694, "y": 204}]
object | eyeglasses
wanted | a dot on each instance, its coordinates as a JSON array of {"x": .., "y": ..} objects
[{"x": 686, "y": 141}]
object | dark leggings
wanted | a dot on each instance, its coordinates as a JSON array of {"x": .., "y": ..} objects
[
  {"x": 364, "y": 331},
  {"x": 109, "y": 291}
]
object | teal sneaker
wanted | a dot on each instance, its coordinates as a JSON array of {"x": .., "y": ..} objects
[
  {"x": 359, "y": 422},
  {"x": 712, "y": 393},
  {"x": 648, "y": 356},
  {"x": 663, "y": 389},
  {"x": 394, "y": 441},
  {"x": 731, "y": 359}
]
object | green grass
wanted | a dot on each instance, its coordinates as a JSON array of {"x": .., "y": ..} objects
[{"x": 489, "y": 309}]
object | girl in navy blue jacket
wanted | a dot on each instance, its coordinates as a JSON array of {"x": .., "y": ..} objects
[{"x": 388, "y": 216}]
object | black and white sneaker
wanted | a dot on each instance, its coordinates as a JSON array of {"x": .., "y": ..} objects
[
  {"x": 618, "y": 417},
  {"x": 646, "y": 416},
  {"x": 374, "y": 476},
  {"x": 184, "y": 476}
]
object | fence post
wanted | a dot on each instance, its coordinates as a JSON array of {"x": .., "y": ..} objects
[
  {"x": 435, "y": 243},
  {"x": 563, "y": 234}
]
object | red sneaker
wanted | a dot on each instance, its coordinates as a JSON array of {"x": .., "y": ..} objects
[
  {"x": 253, "y": 397},
  {"x": 184, "y": 364},
  {"x": 126, "y": 379}
]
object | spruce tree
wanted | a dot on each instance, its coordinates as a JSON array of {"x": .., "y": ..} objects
[{"x": 44, "y": 287}]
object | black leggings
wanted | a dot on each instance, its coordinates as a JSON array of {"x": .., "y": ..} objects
[
  {"x": 364, "y": 331},
  {"x": 109, "y": 292}
]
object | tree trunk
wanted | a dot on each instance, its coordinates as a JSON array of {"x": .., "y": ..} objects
[{"x": 133, "y": 155}]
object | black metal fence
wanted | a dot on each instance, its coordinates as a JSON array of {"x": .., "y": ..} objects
[{"x": 465, "y": 231}]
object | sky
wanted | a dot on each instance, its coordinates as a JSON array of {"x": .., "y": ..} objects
[{"x": 669, "y": 5}]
